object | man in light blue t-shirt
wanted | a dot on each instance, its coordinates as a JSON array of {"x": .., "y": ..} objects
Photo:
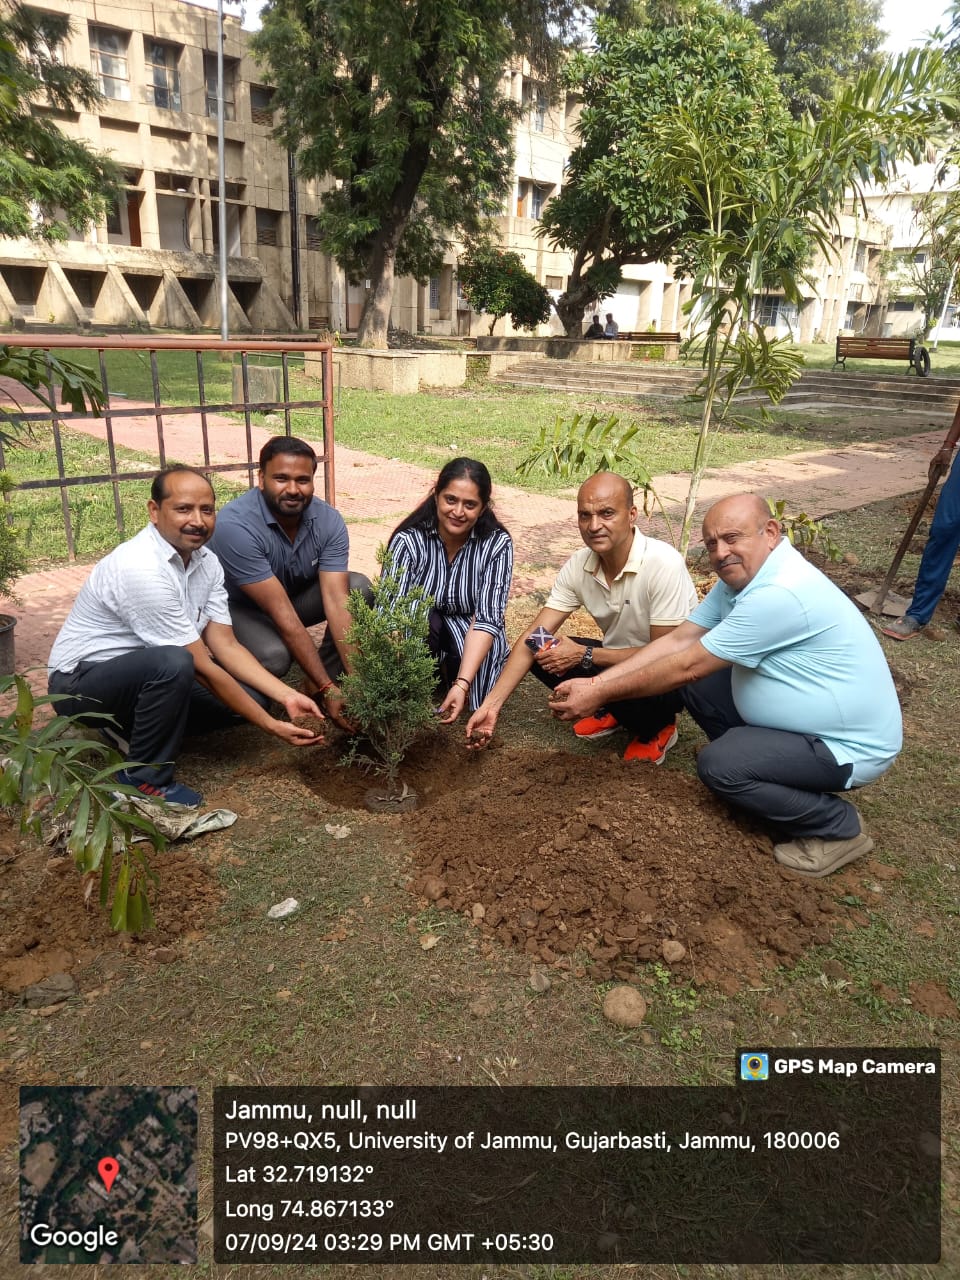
[{"x": 787, "y": 680}]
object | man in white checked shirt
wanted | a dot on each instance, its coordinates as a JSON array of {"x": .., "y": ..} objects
[
  {"x": 636, "y": 589},
  {"x": 149, "y": 642}
]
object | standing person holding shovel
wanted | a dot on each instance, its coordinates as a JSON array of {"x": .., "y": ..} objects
[{"x": 942, "y": 543}]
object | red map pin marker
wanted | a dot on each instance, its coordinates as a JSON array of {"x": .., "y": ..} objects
[{"x": 108, "y": 1168}]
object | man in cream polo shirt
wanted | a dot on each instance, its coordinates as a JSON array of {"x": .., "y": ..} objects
[
  {"x": 149, "y": 642},
  {"x": 637, "y": 589}
]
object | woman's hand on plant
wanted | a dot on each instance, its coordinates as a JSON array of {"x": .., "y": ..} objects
[{"x": 450, "y": 708}]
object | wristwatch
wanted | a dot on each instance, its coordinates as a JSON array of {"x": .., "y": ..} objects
[{"x": 586, "y": 662}]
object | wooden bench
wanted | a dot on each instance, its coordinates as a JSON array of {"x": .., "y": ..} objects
[
  {"x": 917, "y": 356},
  {"x": 652, "y": 339}
]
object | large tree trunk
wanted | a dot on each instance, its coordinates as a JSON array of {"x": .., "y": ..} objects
[
  {"x": 375, "y": 317},
  {"x": 570, "y": 309}
]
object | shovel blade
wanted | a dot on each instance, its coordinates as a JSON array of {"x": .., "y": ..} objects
[{"x": 895, "y": 605}]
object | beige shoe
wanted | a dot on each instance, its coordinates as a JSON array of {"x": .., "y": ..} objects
[{"x": 815, "y": 857}]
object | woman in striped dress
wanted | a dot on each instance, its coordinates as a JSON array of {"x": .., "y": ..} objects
[{"x": 458, "y": 551}]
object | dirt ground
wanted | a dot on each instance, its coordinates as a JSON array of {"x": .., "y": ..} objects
[{"x": 584, "y": 863}]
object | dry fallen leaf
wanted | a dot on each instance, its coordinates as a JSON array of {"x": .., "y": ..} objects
[
  {"x": 337, "y": 830},
  {"x": 428, "y": 941}
]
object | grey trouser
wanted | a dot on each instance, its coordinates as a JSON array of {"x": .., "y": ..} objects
[
  {"x": 784, "y": 779},
  {"x": 256, "y": 632}
]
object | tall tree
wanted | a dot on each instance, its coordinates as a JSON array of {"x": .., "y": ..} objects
[
  {"x": 756, "y": 225},
  {"x": 400, "y": 103},
  {"x": 48, "y": 182},
  {"x": 818, "y": 45},
  {"x": 616, "y": 207}
]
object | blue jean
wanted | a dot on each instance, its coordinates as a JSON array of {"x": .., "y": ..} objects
[
  {"x": 940, "y": 551},
  {"x": 782, "y": 778}
]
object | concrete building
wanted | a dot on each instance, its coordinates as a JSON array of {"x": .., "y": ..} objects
[
  {"x": 154, "y": 262},
  {"x": 909, "y": 249}
]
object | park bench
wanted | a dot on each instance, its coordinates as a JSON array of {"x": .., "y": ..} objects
[
  {"x": 650, "y": 338},
  {"x": 917, "y": 356}
]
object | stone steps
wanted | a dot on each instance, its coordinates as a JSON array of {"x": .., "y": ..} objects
[{"x": 817, "y": 386}]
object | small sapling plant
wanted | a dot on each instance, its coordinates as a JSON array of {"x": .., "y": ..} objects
[{"x": 391, "y": 691}]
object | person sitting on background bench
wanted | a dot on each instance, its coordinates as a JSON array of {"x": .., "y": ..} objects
[
  {"x": 611, "y": 328},
  {"x": 149, "y": 642},
  {"x": 595, "y": 330}
]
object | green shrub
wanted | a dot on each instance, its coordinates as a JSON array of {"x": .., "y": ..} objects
[{"x": 390, "y": 693}]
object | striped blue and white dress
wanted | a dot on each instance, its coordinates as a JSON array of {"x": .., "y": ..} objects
[{"x": 469, "y": 590}]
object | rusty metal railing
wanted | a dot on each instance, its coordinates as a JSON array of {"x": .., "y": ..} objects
[{"x": 114, "y": 412}]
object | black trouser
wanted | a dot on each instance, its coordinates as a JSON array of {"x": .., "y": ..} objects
[
  {"x": 255, "y": 629},
  {"x": 153, "y": 698},
  {"x": 643, "y": 718},
  {"x": 782, "y": 778}
]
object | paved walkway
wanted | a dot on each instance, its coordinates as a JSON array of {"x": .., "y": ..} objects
[{"x": 375, "y": 493}]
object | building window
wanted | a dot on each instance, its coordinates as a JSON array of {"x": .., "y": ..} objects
[
  {"x": 314, "y": 239},
  {"x": 535, "y": 105},
  {"x": 553, "y": 282},
  {"x": 772, "y": 310},
  {"x": 860, "y": 257},
  {"x": 163, "y": 78},
  {"x": 268, "y": 227},
  {"x": 434, "y": 293},
  {"x": 261, "y": 104},
  {"x": 108, "y": 61},
  {"x": 920, "y": 259},
  {"x": 114, "y": 219},
  {"x": 181, "y": 183},
  {"x": 538, "y": 198},
  {"x": 229, "y": 85}
]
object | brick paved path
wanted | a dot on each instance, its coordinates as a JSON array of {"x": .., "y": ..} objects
[{"x": 375, "y": 493}]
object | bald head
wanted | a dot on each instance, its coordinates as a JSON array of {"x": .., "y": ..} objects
[
  {"x": 606, "y": 515},
  {"x": 607, "y": 483},
  {"x": 739, "y": 534},
  {"x": 742, "y": 507}
]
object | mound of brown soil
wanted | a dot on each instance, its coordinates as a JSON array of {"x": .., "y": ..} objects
[{"x": 596, "y": 863}]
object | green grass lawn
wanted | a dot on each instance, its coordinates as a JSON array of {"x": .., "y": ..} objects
[{"x": 498, "y": 424}]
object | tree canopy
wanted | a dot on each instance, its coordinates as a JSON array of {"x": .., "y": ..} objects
[
  {"x": 817, "y": 45},
  {"x": 48, "y": 182},
  {"x": 617, "y": 207},
  {"x": 496, "y": 281},
  {"x": 400, "y": 103}
]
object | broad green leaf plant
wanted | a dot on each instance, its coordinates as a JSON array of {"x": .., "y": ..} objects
[
  {"x": 579, "y": 448},
  {"x": 52, "y": 773}
]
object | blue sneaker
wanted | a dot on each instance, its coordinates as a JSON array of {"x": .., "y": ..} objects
[{"x": 173, "y": 793}]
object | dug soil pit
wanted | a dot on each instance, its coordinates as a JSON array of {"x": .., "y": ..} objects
[{"x": 592, "y": 864}]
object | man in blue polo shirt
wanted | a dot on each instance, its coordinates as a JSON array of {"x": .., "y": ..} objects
[
  {"x": 787, "y": 680},
  {"x": 284, "y": 555}
]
